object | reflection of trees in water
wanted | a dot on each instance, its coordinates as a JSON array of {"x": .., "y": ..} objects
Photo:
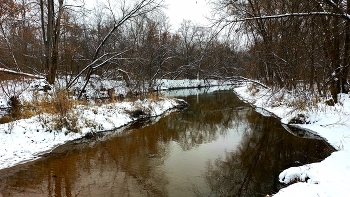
[
  {"x": 126, "y": 165},
  {"x": 53, "y": 180},
  {"x": 207, "y": 119},
  {"x": 266, "y": 149},
  {"x": 121, "y": 166}
]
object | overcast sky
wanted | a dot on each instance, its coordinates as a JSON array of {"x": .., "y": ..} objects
[
  {"x": 177, "y": 11},
  {"x": 194, "y": 10}
]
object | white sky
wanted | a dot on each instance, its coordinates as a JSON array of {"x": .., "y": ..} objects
[
  {"x": 177, "y": 11},
  {"x": 194, "y": 10}
]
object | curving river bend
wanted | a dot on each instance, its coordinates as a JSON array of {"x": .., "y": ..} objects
[{"x": 219, "y": 146}]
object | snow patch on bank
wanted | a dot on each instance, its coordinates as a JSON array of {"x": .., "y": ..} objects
[
  {"x": 26, "y": 139},
  {"x": 329, "y": 177}
]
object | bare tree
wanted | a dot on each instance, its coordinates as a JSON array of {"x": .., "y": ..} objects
[
  {"x": 280, "y": 31},
  {"x": 9, "y": 13},
  {"x": 51, "y": 15},
  {"x": 99, "y": 59}
]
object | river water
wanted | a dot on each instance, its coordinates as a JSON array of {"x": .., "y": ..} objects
[{"x": 218, "y": 146}]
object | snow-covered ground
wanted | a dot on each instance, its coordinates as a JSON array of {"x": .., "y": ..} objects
[
  {"x": 329, "y": 177},
  {"x": 27, "y": 139}
]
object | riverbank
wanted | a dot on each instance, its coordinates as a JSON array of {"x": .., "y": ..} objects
[
  {"x": 329, "y": 177},
  {"x": 26, "y": 139}
]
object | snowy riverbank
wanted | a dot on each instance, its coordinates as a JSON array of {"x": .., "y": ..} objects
[
  {"x": 329, "y": 177},
  {"x": 24, "y": 140}
]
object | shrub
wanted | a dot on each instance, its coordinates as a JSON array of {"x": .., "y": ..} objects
[
  {"x": 57, "y": 103},
  {"x": 154, "y": 96},
  {"x": 61, "y": 102},
  {"x": 253, "y": 89},
  {"x": 299, "y": 119},
  {"x": 5, "y": 119}
]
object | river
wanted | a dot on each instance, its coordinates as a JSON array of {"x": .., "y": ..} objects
[{"x": 218, "y": 146}]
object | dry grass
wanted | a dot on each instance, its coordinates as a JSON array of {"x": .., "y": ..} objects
[
  {"x": 252, "y": 89},
  {"x": 154, "y": 96},
  {"x": 5, "y": 119},
  {"x": 59, "y": 103}
]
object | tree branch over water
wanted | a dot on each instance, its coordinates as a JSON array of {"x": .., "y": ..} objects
[{"x": 346, "y": 17}]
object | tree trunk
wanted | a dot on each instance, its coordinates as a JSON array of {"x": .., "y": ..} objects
[
  {"x": 345, "y": 71},
  {"x": 51, "y": 37},
  {"x": 335, "y": 58}
]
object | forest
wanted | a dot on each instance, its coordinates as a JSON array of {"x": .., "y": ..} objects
[{"x": 292, "y": 45}]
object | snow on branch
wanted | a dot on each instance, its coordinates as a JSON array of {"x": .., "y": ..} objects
[
  {"x": 247, "y": 80},
  {"x": 94, "y": 67},
  {"x": 21, "y": 73},
  {"x": 346, "y": 17}
]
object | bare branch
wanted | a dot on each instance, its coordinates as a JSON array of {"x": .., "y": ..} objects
[{"x": 346, "y": 17}]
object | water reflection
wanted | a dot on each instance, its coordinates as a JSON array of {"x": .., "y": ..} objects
[
  {"x": 265, "y": 150},
  {"x": 219, "y": 146},
  {"x": 209, "y": 117}
]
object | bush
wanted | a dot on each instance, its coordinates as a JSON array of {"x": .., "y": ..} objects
[
  {"x": 57, "y": 103},
  {"x": 61, "y": 102},
  {"x": 5, "y": 119},
  {"x": 253, "y": 89}
]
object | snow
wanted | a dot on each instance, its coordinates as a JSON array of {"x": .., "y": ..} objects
[
  {"x": 27, "y": 139},
  {"x": 329, "y": 177},
  {"x": 21, "y": 73},
  {"x": 326, "y": 178},
  {"x": 165, "y": 84}
]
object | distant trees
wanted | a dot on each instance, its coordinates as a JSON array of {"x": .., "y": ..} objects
[
  {"x": 294, "y": 41},
  {"x": 109, "y": 48},
  {"x": 130, "y": 41},
  {"x": 290, "y": 43},
  {"x": 11, "y": 14}
]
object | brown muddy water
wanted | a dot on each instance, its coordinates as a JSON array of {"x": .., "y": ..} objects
[{"x": 219, "y": 146}]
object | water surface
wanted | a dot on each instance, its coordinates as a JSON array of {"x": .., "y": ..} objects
[{"x": 219, "y": 146}]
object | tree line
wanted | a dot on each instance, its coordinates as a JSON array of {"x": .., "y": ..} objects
[
  {"x": 130, "y": 41},
  {"x": 289, "y": 44}
]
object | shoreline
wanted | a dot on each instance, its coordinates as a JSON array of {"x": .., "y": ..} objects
[
  {"x": 328, "y": 177},
  {"x": 26, "y": 140}
]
